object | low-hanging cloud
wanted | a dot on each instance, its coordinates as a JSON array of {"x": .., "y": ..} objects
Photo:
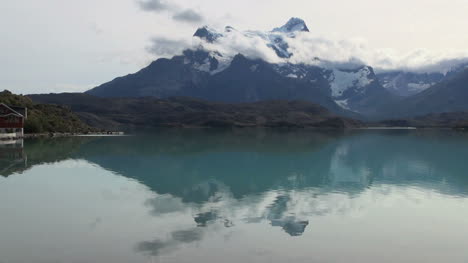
[
  {"x": 307, "y": 47},
  {"x": 444, "y": 65},
  {"x": 253, "y": 46},
  {"x": 162, "y": 47},
  {"x": 312, "y": 50},
  {"x": 186, "y": 15}
]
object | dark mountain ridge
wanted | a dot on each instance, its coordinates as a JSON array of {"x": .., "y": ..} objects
[
  {"x": 244, "y": 80},
  {"x": 150, "y": 112}
]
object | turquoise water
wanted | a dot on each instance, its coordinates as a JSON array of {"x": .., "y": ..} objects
[{"x": 239, "y": 196}]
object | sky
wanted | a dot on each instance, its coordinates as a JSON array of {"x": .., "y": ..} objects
[{"x": 71, "y": 46}]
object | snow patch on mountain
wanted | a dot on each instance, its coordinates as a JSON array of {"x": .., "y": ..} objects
[
  {"x": 341, "y": 80},
  {"x": 292, "y": 70},
  {"x": 280, "y": 45},
  {"x": 223, "y": 63},
  {"x": 343, "y": 104},
  {"x": 293, "y": 25},
  {"x": 418, "y": 87},
  {"x": 211, "y": 62},
  {"x": 407, "y": 83},
  {"x": 205, "y": 66},
  {"x": 254, "y": 68}
]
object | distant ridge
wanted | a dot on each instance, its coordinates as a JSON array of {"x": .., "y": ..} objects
[{"x": 117, "y": 113}]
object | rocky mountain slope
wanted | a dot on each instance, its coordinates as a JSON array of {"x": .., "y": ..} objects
[
  {"x": 449, "y": 95},
  {"x": 406, "y": 84}
]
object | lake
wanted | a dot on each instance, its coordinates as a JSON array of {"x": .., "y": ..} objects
[{"x": 236, "y": 196}]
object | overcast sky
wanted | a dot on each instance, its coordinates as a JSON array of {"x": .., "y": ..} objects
[{"x": 63, "y": 45}]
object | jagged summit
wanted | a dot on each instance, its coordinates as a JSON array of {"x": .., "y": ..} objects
[
  {"x": 207, "y": 34},
  {"x": 275, "y": 39},
  {"x": 293, "y": 25}
]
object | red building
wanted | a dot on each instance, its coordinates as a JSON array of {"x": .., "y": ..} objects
[{"x": 12, "y": 121}]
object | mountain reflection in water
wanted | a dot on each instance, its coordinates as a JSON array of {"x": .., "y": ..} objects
[{"x": 205, "y": 185}]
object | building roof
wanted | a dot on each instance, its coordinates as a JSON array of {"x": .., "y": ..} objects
[
  {"x": 21, "y": 110},
  {"x": 13, "y": 112}
]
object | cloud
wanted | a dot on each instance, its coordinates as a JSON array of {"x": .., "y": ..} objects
[
  {"x": 236, "y": 42},
  {"x": 157, "y": 247},
  {"x": 154, "y": 5},
  {"x": 189, "y": 16},
  {"x": 157, "y": 6},
  {"x": 313, "y": 50},
  {"x": 164, "y": 204},
  {"x": 306, "y": 47},
  {"x": 187, "y": 236},
  {"x": 161, "y": 46},
  {"x": 423, "y": 61}
]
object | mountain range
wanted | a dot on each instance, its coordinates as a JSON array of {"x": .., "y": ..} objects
[{"x": 210, "y": 71}]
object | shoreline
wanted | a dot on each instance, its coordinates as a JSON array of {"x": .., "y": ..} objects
[
  {"x": 59, "y": 135},
  {"x": 104, "y": 134}
]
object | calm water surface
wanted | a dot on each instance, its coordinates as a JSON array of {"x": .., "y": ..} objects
[{"x": 240, "y": 196}]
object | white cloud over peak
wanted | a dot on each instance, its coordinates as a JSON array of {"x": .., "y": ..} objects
[
  {"x": 236, "y": 42},
  {"x": 307, "y": 48}
]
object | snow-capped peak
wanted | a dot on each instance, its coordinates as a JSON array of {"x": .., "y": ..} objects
[{"x": 293, "y": 25}]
